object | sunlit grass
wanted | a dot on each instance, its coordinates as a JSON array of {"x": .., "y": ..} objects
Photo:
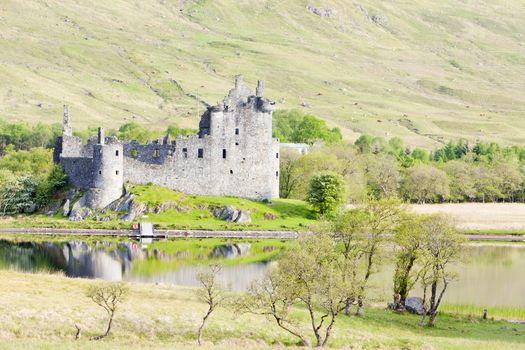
[
  {"x": 39, "y": 312},
  {"x": 512, "y": 232},
  {"x": 288, "y": 214},
  {"x": 496, "y": 312}
]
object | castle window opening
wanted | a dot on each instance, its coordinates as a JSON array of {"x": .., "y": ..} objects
[
  {"x": 156, "y": 153},
  {"x": 277, "y": 155},
  {"x": 116, "y": 172},
  {"x": 276, "y": 174},
  {"x": 116, "y": 153},
  {"x": 224, "y": 153},
  {"x": 185, "y": 152},
  {"x": 236, "y": 131},
  {"x": 100, "y": 172},
  {"x": 236, "y": 143},
  {"x": 200, "y": 153},
  {"x": 231, "y": 171}
]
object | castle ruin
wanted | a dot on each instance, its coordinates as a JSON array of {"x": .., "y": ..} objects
[{"x": 233, "y": 154}]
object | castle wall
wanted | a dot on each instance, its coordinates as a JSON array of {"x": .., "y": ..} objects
[
  {"x": 248, "y": 168},
  {"x": 79, "y": 171}
]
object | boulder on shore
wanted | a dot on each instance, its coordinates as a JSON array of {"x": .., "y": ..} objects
[
  {"x": 414, "y": 305},
  {"x": 79, "y": 211}
]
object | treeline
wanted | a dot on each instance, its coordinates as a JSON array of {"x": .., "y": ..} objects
[
  {"x": 22, "y": 136},
  {"x": 373, "y": 166}
]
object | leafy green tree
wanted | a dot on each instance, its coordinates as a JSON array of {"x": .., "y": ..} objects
[
  {"x": 18, "y": 196},
  {"x": 426, "y": 183},
  {"x": 285, "y": 122},
  {"x": 298, "y": 172},
  {"x": 349, "y": 232},
  {"x": 294, "y": 126},
  {"x": 486, "y": 152},
  {"x": 369, "y": 144},
  {"x": 383, "y": 175},
  {"x": 174, "y": 130},
  {"x": 487, "y": 185},
  {"x": 48, "y": 186},
  {"x": 364, "y": 143},
  {"x": 452, "y": 151},
  {"x": 440, "y": 249},
  {"x": 462, "y": 180},
  {"x": 382, "y": 217},
  {"x": 135, "y": 131},
  {"x": 34, "y": 161},
  {"x": 420, "y": 155},
  {"x": 408, "y": 239},
  {"x": 510, "y": 178},
  {"x": 289, "y": 174},
  {"x": 327, "y": 193},
  {"x": 23, "y": 137}
]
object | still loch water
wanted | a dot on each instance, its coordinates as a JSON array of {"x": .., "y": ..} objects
[{"x": 490, "y": 275}]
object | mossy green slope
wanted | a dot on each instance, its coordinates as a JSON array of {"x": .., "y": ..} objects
[
  {"x": 286, "y": 214},
  {"x": 426, "y": 71}
]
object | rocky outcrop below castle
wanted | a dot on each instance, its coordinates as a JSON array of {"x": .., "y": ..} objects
[{"x": 127, "y": 208}]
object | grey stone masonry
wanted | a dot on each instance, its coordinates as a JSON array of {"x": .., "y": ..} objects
[{"x": 233, "y": 154}]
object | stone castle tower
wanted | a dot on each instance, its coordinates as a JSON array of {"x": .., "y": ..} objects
[{"x": 233, "y": 154}]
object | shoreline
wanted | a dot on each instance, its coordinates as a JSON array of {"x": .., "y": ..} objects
[
  {"x": 207, "y": 234},
  {"x": 157, "y": 234}
]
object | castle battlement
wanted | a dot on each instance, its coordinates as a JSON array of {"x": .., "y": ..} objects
[{"x": 233, "y": 154}]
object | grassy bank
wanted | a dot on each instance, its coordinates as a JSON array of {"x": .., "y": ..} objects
[
  {"x": 497, "y": 312},
  {"x": 495, "y": 232},
  {"x": 39, "y": 311}
]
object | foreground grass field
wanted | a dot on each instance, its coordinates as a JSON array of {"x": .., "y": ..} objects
[{"x": 39, "y": 311}]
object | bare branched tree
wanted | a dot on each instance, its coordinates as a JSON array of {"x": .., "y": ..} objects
[
  {"x": 211, "y": 293},
  {"x": 108, "y": 296},
  {"x": 270, "y": 297},
  {"x": 309, "y": 276}
]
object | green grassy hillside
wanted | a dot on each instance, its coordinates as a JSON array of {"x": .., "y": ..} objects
[{"x": 425, "y": 70}]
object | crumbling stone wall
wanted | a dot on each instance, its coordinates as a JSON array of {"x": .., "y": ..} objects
[{"x": 79, "y": 171}]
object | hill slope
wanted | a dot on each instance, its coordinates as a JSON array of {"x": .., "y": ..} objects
[{"x": 425, "y": 71}]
